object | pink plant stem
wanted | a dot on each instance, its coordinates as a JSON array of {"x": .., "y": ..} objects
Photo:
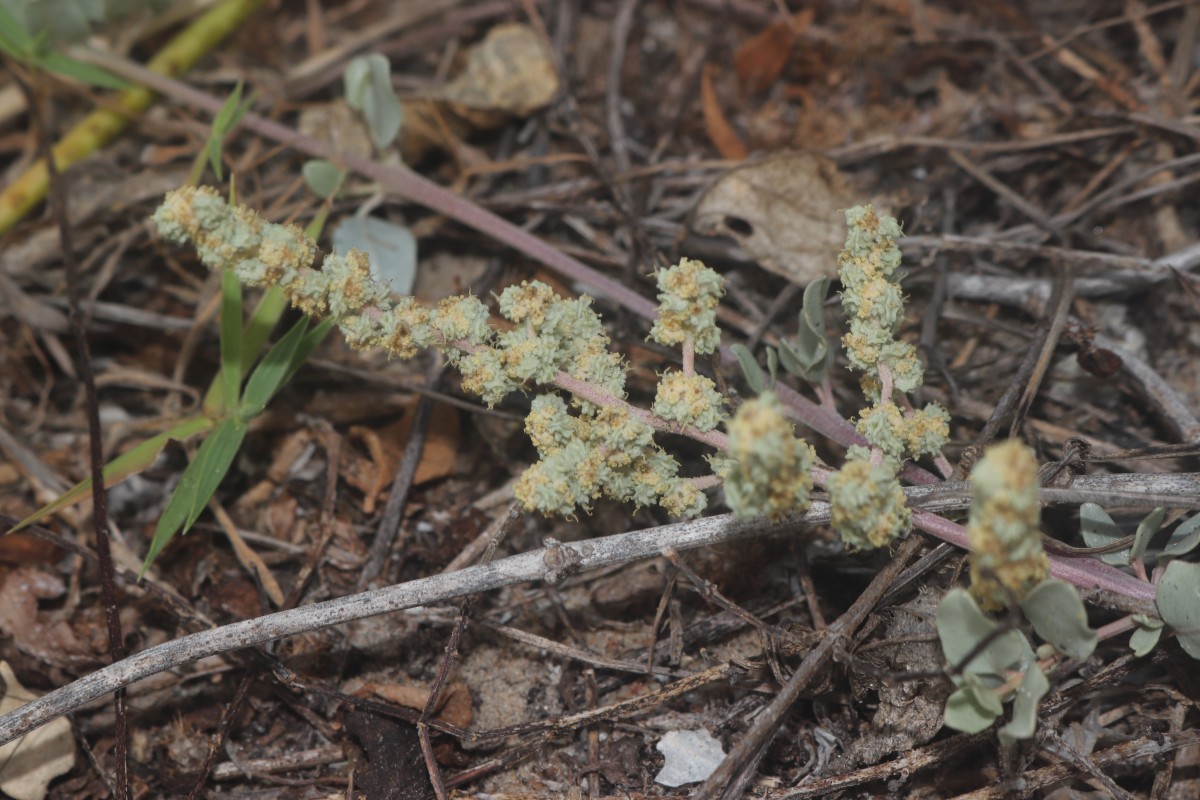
[
  {"x": 396, "y": 178},
  {"x": 689, "y": 356},
  {"x": 885, "y": 383},
  {"x": 705, "y": 482},
  {"x": 1085, "y": 573},
  {"x": 1115, "y": 628}
]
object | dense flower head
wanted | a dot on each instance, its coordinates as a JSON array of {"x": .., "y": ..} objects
[
  {"x": 691, "y": 400},
  {"x": 600, "y": 451},
  {"x": 926, "y": 430},
  {"x": 868, "y": 508},
  {"x": 527, "y": 302},
  {"x": 1007, "y": 558},
  {"x": 688, "y": 297},
  {"x": 770, "y": 474},
  {"x": 881, "y": 425}
]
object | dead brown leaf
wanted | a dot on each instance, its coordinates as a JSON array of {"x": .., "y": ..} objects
[
  {"x": 720, "y": 132},
  {"x": 785, "y": 211},
  {"x": 760, "y": 59},
  {"x": 510, "y": 73},
  {"x": 372, "y": 476},
  {"x": 28, "y": 764},
  {"x": 454, "y": 705},
  {"x": 23, "y": 547}
]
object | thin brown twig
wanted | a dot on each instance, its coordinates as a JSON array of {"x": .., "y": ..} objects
[
  {"x": 83, "y": 359},
  {"x": 549, "y": 563},
  {"x": 389, "y": 523}
]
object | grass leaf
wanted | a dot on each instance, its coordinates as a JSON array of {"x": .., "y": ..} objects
[
  {"x": 224, "y": 122},
  {"x": 131, "y": 462},
  {"x": 271, "y": 373},
  {"x": 80, "y": 71},
  {"x": 200, "y": 480}
]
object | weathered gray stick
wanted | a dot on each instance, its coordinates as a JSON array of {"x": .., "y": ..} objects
[{"x": 550, "y": 564}]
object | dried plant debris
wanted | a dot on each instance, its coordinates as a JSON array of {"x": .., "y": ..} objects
[{"x": 786, "y": 211}]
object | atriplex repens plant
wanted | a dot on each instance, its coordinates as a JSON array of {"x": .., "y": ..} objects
[{"x": 594, "y": 443}]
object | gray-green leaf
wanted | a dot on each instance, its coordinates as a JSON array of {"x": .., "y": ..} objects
[
  {"x": 962, "y": 626},
  {"x": 322, "y": 177},
  {"x": 1030, "y": 692},
  {"x": 368, "y": 86},
  {"x": 1149, "y": 630},
  {"x": 1145, "y": 532},
  {"x": 1179, "y": 603},
  {"x": 969, "y": 711},
  {"x": 391, "y": 249},
  {"x": 755, "y": 377},
  {"x": 1183, "y": 539},
  {"x": 1058, "y": 616},
  {"x": 1099, "y": 530}
]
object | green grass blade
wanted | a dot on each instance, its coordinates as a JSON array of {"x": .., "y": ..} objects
[
  {"x": 200, "y": 480},
  {"x": 231, "y": 338},
  {"x": 264, "y": 319},
  {"x": 274, "y": 369},
  {"x": 306, "y": 347},
  {"x": 128, "y": 463},
  {"x": 14, "y": 40},
  {"x": 93, "y": 76},
  {"x": 227, "y": 118}
]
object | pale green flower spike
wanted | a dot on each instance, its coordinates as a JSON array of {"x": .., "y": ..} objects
[
  {"x": 1006, "y": 543},
  {"x": 770, "y": 474},
  {"x": 867, "y": 505},
  {"x": 688, "y": 297},
  {"x": 873, "y": 301}
]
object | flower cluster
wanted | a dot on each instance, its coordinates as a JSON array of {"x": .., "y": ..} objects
[
  {"x": 688, "y": 297},
  {"x": 867, "y": 506},
  {"x": 872, "y": 298},
  {"x": 609, "y": 452},
  {"x": 606, "y": 448},
  {"x": 1007, "y": 559},
  {"x": 770, "y": 470}
]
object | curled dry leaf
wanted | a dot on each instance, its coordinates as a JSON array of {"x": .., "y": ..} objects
[
  {"x": 439, "y": 455},
  {"x": 510, "y": 73},
  {"x": 340, "y": 125},
  {"x": 28, "y": 764},
  {"x": 52, "y": 641},
  {"x": 786, "y": 211}
]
